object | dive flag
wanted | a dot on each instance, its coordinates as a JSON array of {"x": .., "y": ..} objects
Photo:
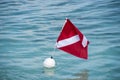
[{"x": 72, "y": 41}]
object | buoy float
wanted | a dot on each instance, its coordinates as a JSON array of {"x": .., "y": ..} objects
[{"x": 49, "y": 62}]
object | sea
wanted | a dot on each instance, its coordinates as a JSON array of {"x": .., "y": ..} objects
[{"x": 29, "y": 30}]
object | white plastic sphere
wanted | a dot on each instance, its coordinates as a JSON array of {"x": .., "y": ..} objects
[{"x": 49, "y": 63}]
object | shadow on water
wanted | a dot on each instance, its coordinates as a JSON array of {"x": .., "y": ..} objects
[{"x": 80, "y": 76}]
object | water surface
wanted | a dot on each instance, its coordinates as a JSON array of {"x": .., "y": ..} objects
[{"x": 29, "y": 29}]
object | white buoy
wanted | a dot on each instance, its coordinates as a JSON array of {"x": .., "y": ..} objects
[{"x": 49, "y": 63}]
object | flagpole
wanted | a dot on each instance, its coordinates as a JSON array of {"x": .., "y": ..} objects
[
  {"x": 53, "y": 53},
  {"x": 56, "y": 44},
  {"x": 63, "y": 24}
]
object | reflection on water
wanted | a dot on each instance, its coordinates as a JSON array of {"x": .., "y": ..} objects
[
  {"x": 49, "y": 71},
  {"x": 80, "y": 76}
]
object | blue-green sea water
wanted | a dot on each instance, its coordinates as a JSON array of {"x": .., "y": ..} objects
[{"x": 28, "y": 33}]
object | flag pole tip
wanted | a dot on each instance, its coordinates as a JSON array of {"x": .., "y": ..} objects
[{"x": 66, "y": 18}]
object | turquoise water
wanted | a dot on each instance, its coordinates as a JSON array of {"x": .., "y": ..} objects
[{"x": 28, "y": 33}]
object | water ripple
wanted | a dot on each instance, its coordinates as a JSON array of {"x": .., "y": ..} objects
[{"x": 29, "y": 28}]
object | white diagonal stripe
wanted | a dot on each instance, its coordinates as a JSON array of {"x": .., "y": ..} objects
[
  {"x": 84, "y": 42},
  {"x": 68, "y": 41}
]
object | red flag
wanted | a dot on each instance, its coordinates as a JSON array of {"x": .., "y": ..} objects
[{"x": 72, "y": 41}]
